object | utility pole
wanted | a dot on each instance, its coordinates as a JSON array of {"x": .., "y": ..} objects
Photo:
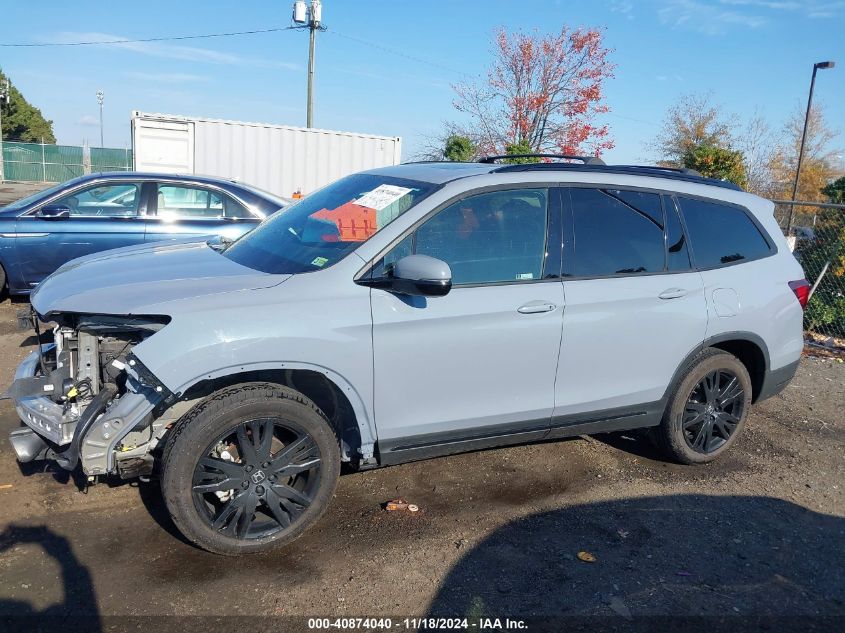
[
  {"x": 310, "y": 18},
  {"x": 5, "y": 97},
  {"x": 100, "y": 98}
]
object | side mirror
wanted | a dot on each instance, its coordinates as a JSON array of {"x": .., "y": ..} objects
[
  {"x": 422, "y": 276},
  {"x": 54, "y": 212}
]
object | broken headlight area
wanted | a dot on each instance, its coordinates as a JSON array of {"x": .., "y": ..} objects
[
  {"x": 85, "y": 392},
  {"x": 92, "y": 351}
]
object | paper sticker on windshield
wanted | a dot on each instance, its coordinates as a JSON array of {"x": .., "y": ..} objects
[
  {"x": 381, "y": 196},
  {"x": 319, "y": 261},
  {"x": 525, "y": 276}
]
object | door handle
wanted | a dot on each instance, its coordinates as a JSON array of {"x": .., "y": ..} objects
[
  {"x": 673, "y": 293},
  {"x": 536, "y": 307}
]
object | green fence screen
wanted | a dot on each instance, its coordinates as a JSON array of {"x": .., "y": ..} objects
[{"x": 34, "y": 162}]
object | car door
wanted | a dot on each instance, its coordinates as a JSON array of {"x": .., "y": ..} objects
[
  {"x": 93, "y": 218},
  {"x": 467, "y": 368},
  {"x": 634, "y": 306},
  {"x": 186, "y": 210}
]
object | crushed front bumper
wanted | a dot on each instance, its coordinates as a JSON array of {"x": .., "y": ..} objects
[
  {"x": 90, "y": 437},
  {"x": 41, "y": 414}
]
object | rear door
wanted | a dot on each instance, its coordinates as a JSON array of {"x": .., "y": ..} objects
[
  {"x": 101, "y": 216},
  {"x": 186, "y": 210},
  {"x": 634, "y": 306}
]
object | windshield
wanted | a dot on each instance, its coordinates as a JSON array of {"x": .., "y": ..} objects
[
  {"x": 44, "y": 193},
  {"x": 327, "y": 225}
]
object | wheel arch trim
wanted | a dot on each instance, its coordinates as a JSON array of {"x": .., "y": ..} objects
[
  {"x": 363, "y": 419},
  {"x": 712, "y": 341}
]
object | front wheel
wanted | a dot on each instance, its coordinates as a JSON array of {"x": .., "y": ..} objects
[
  {"x": 251, "y": 467},
  {"x": 707, "y": 409}
]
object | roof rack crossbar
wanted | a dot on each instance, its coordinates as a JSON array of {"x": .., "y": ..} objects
[{"x": 587, "y": 160}]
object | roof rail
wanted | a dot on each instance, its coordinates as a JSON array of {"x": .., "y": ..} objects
[
  {"x": 689, "y": 175},
  {"x": 587, "y": 160},
  {"x": 677, "y": 170}
]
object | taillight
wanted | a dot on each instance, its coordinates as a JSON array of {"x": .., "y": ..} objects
[{"x": 802, "y": 291}]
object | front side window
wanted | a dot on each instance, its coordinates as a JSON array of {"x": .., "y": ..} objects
[
  {"x": 721, "y": 234},
  {"x": 616, "y": 232},
  {"x": 492, "y": 237},
  {"x": 328, "y": 224},
  {"x": 118, "y": 200}
]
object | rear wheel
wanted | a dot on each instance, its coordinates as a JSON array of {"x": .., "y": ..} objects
[
  {"x": 251, "y": 467},
  {"x": 707, "y": 409}
]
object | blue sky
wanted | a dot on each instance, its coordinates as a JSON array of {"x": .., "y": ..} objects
[{"x": 751, "y": 54}]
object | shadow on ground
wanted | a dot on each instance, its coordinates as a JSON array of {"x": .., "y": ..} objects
[
  {"x": 78, "y": 610},
  {"x": 729, "y": 562}
]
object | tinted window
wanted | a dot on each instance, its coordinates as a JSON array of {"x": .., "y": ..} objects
[
  {"x": 234, "y": 209},
  {"x": 616, "y": 232},
  {"x": 486, "y": 238},
  {"x": 677, "y": 252},
  {"x": 721, "y": 234},
  {"x": 118, "y": 200}
]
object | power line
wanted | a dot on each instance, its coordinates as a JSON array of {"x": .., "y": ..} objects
[
  {"x": 147, "y": 39},
  {"x": 394, "y": 51}
]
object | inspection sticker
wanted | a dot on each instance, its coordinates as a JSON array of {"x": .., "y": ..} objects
[
  {"x": 381, "y": 196},
  {"x": 319, "y": 261}
]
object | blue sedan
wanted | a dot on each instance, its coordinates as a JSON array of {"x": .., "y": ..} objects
[{"x": 98, "y": 212}]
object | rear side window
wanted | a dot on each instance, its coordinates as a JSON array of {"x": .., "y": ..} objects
[
  {"x": 721, "y": 234},
  {"x": 616, "y": 232}
]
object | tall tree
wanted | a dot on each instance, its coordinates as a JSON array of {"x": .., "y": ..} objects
[
  {"x": 24, "y": 122},
  {"x": 693, "y": 121},
  {"x": 717, "y": 162},
  {"x": 541, "y": 91},
  {"x": 818, "y": 163}
]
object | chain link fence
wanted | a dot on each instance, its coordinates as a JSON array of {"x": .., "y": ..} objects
[
  {"x": 818, "y": 234},
  {"x": 41, "y": 162}
]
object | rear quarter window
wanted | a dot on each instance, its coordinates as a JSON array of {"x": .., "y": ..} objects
[{"x": 721, "y": 234}]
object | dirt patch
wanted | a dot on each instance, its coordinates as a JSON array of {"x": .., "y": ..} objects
[{"x": 759, "y": 533}]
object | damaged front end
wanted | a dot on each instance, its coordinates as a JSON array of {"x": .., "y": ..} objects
[{"x": 86, "y": 398}]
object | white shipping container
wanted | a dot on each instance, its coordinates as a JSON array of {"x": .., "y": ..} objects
[{"x": 279, "y": 158}]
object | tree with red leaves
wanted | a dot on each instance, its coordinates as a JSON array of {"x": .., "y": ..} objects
[{"x": 542, "y": 92}]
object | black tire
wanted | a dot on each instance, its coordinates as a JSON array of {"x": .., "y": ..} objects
[
  {"x": 243, "y": 415},
  {"x": 707, "y": 408},
  {"x": 4, "y": 292}
]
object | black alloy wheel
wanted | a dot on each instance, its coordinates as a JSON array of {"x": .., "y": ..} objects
[
  {"x": 713, "y": 411},
  {"x": 256, "y": 479}
]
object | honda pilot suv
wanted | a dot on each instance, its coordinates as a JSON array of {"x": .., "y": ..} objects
[{"x": 409, "y": 312}]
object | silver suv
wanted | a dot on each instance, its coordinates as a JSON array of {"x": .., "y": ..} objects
[{"x": 408, "y": 312}]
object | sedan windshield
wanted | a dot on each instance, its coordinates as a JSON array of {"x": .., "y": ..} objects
[{"x": 327, "y": 225}]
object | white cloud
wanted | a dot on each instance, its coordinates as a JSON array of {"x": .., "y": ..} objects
[
  {"x": 88, "y": 121},
  {"x": 707, "y": 18},
  {"x": 170, "y": 51}
]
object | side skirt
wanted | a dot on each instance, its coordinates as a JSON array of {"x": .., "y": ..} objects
[{"x": 408, "y": 449}]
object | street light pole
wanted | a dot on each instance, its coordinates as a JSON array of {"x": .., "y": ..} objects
[{"x": 816, "y": 66}]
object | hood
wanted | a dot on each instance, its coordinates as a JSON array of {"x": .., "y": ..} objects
[{"x": 128, "y": 280}]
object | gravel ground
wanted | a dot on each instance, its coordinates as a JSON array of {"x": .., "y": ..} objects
[{"x": 757, "y": 538}]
